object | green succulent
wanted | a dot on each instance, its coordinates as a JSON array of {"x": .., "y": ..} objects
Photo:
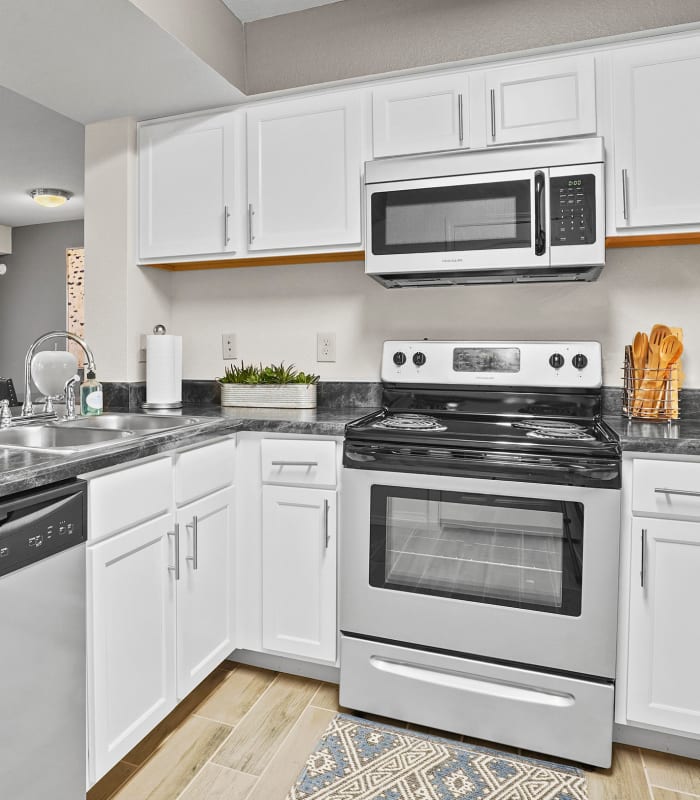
[{"x": 271, "y": 374}]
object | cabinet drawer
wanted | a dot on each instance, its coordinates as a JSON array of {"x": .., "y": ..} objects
[
  {"x": 121, "y": 500},
  {"x": 204, "y": 470},
  {"x": 295, "y": 461},
  {"x": 671, "y": 488}
]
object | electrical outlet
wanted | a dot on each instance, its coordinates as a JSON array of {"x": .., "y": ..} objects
[
  {"x": 228, "y": 346},
  {"x": 325, "y": 347}
]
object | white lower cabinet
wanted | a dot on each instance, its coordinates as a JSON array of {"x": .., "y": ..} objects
[
  {"x": 204, "y": 589},
  {"x": 299, "y": 547},
  {"x": 160, "y": 595},
  {"x": 664, "y": 647},
  {"x": 131, "y": 639}
]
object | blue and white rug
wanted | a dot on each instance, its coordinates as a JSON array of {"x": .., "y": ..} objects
[{"x": 361, "y": 760}]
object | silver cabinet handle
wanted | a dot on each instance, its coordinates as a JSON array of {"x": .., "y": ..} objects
[
  {"x": 460, "y": 117},
  {"x": 326, "y": 532},
  {"x": 294, "y": 463},
  {"x": 644, "y": 549},
  {"x": 251, "y": 213},
  {"x": 493, "y": 113},
  {"x": 176, "y": 535},
  {"x": 684, "y": 492},
  {"x": 625, "y": 196},
  {"x": 193, "y": 526},
  {"x": 227, "y": 214}
]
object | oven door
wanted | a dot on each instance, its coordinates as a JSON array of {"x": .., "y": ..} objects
[
  {"x": 518, "y": 572},
  {"x": 485, "y": 221}
]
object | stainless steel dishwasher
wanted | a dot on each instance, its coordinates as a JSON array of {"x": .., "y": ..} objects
[{"x": 42, "y": 643}]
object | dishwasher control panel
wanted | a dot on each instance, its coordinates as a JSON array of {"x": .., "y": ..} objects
[{"x": 41, "y": 523}]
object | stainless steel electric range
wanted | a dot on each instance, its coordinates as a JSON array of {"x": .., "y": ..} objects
[{"x": 479, "y": 549}]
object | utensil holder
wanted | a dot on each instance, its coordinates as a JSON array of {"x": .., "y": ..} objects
[{"x": 651, "y": 394}]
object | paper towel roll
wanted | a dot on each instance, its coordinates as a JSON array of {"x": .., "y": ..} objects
[{"x": 163, "y": 370}]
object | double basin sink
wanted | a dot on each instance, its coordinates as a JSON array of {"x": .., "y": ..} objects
[{"x": 86, "y": 433}]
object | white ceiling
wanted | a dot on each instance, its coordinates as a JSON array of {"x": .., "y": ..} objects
[
  {"x": 38, "y": 148},
  {"x": 250, "y": 10}
]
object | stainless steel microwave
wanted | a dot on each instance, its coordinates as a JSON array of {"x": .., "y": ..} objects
[{"x": 504, "y": 215}]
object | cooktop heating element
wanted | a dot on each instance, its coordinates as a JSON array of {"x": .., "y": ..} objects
[
  {"x": 554, "y": 429},
  {"x": 410, "y": 422}
]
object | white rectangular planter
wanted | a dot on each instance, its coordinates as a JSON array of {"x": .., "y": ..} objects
[{"x": 268, "y": 395}]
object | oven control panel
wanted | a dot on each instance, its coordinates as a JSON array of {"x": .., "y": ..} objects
[{"x": 535, "y": 364}]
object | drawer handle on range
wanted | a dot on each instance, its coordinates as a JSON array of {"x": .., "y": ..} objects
[
  {"x": 473, "y": 683},
  {"x": 460, "y": 115},
  {"x": 176, "y": 568},
  {"x": 493, "y": 113},
  {"x": 644, "y": 552},
  {"x": 294, "y": 463},
  {"x": 195, "y": 544},
  {"x": 326, "y": 534},
  {"x": 684, "y": 492}
]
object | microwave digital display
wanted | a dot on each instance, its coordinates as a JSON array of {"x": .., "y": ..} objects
[{"x": 486, "y": 359}]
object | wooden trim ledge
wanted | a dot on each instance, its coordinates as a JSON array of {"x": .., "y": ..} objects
[
  {"x": 653, "y": 240},
  {"x": 263, "y": 261}
]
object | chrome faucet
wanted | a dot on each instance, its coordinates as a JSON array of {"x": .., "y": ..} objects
[
  {"x": 69, "y": 394},
  {"x": 27, "y": 405}
]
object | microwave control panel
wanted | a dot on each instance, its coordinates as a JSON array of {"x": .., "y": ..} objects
[{"x": 572, "y": 203}]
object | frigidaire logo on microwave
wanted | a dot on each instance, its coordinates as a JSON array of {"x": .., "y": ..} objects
[{"x": 452, "y": 260}]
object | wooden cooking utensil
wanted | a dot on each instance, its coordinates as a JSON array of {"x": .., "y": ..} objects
[
  {"x": 640, "y": 352},
  {"x": 670, "y": 351},
  {"x": 646, "y": 393}
]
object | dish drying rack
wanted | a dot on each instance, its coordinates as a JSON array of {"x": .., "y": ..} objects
[{"x": 651, "y": 394}]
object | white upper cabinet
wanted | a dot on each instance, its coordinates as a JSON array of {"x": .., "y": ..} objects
[
  {"x": 186, "y": 175},
  {"x": 421, "y": 115},
  {"x": 541, "y": 100},
  {"x": 304, "y": 172},
  {"x": 657, "y": 134},
  {"x": 664, "y": 648}
]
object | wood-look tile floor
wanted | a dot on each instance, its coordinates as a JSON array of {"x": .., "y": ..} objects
[{"x": 245, "y": 733}]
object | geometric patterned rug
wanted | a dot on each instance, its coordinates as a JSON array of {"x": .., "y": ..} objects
[{"x": 357, "y": 759}]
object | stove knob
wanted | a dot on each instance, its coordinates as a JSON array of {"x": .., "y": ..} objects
[
  {"x": 556, "y": 360},
  {"x": 399, "y": 358},
  {"x": 579, "y": 361},
  {"x": 419, "y": 359}
]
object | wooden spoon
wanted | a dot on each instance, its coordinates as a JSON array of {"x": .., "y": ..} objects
[
  {"x": 640, "y": 351},
  {"x": 670, "y": 351}
]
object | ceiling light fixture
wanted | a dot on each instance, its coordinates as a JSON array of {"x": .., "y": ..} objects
[{"x": 50, "y": 198}]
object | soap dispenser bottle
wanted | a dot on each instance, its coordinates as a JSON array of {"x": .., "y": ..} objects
[{"x": 90, "y": 395}]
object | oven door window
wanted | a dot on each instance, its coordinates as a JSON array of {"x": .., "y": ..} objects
[
  {"x": 480, "y": 216},
  {"x": 508, "y": 551}
]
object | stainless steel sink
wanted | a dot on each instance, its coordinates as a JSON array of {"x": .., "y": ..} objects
[
  {"x": 59, "y": 438},
  {"x": 138, "y": 423}
]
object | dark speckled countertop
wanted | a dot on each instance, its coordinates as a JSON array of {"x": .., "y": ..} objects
[{"x": 21, "y": 470}]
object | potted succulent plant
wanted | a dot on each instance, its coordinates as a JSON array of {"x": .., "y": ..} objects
[{"x": 273, "y": 386}]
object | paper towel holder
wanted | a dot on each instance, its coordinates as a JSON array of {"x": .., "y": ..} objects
[{"x": 159, "y": 330}]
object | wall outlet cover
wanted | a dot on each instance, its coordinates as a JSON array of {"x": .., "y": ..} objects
[
  {"x": 325, "y": 347},
  {"x": 228, "y": 346}
]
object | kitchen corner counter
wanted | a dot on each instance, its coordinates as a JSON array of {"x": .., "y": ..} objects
[
  {"x": 21, "y": 470},
  {"x": 677, "y": 438}
]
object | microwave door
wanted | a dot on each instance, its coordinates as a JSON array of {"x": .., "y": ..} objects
[{"x": 484, "y": 221}]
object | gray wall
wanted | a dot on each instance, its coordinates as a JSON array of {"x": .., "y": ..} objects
[
  {"x": 33, "y": 291},
  {"x": 367, "y": 37}
]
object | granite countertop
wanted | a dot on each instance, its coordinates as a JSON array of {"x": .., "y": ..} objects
[
  {"x": 21, "y": 470},
  {"x": 681, "y": 437}
]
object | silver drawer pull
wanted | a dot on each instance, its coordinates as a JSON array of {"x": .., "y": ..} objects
[
  {"x": 195, "y": 544},
  {"x": 493, "y": 113},
  {"x": 625, "y": 196},
  {"x": 176, "y": 535},
  {"x": 684, "y": 492},
  {"x": 460, "y": 115},
  {"x": 326, "y": 532},
  {"x": 642, "y": 572},
  {"x": 294, "y": 463}
]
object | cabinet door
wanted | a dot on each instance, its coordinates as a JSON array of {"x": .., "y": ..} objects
[
  {"x": 664, "y": 648},
  {"x": 131, "y": 639},
  {"x": 299, "y": 572},
  {"x": 304, "y": 172},
  {"x": 205, "y": 612},
  {"x": 186, "y": 186},
  {"x": 541, "y": 100},
  {"x": 421, "y": 115},
  {"x": 656, "y": 134}
]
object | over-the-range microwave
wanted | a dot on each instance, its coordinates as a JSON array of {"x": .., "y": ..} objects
[{"x": 526, "y": 213}]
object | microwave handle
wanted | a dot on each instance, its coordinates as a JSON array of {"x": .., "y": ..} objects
[{"x": 540, "y": 232}]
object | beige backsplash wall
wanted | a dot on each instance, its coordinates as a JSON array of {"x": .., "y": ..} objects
[{"x": 276, "y": 312}]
